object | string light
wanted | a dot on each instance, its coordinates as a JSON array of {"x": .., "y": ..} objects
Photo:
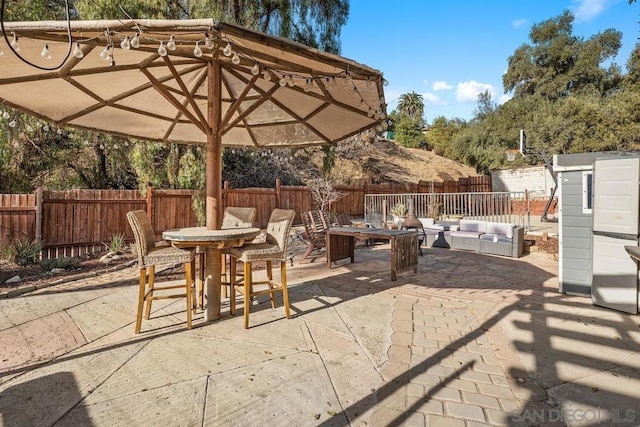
[
  {"x": 256, "y": 69},
  {"x": 290, "y": 81},
  {"x": 208, "y": 43},
  {"x": 77, "y": 52},
  {"x": 104, "y": 55},
  {"x": 45, "y": 52},
  {"x": 266, "y": 74},
  {"x": 125, "y": 44},
  {"x": 5, "y": 115},
  {"x": 283, "y": 81},
  {"x": 171, "y": 44},
  {"x": 162, "y": 51},
  {"x": 14, "y": 43},
  {"x": 236, "y": 59},
  {"x": 308, "y": 85},
  {"x": 227, "y": 51},
  {"x": 197, "y": 52},
  {"x": 135, "y": 42}
]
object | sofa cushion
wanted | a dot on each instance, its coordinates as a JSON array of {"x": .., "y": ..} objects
[
  {"x": 469, "y": 234},
  {"x": 426, "y": 222},
  {"x": 492, "y": 237},
  {"x": 471, "y": 225},
  {"x": 500, "y": 228}
]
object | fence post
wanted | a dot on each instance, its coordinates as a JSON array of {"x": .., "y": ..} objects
[
  {"x": 150, "y": 203},
  {"x": 225, "y": 193},
  {"x": 39, "y": 197},
  {"x": 278, "y": 194}
]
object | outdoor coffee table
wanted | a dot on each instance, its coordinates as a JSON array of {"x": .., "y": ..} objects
[
  {"x": 404, "y": 246},
  {"x": 213, "y": 241}
]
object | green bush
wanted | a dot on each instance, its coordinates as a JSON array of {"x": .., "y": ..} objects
[
  {"x": 63, "y": 262},
  {"x": 22, "y": 252},
  {"x": 117, "y": 244}
]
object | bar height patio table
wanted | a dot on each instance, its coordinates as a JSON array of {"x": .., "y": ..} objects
[{"x": 213, "y": 241}]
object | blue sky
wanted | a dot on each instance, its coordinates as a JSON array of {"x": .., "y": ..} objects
[{"x": 449, "y": 51}]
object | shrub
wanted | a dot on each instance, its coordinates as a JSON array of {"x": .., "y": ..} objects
[
  {"x": 117, "y": 244},
  {"x": 22, "y": 252},
  {"x": 63, "y": 262}
]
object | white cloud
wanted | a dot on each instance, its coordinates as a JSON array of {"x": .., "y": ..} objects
[
  {"x": 586, "y": 10},
  {"x": 469, "y": 91},
  {"x": 441, "y": 85},
  {"x": 432, "y": 99},
  {"x": 504, "y": 98},
  {"x": 519, "y": 23}
]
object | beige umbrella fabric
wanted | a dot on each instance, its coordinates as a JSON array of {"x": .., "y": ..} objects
[{"x": 188, "y": 81}]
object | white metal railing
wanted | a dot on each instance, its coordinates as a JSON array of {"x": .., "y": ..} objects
[{"x": 511, "y": 207}]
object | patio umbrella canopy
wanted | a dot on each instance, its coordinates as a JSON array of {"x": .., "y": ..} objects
[{"x": 187, "y": 81}]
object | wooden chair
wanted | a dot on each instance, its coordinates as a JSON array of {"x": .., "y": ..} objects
[
  {"x": 233, "y": 217},
  {"x": 274, "y": 249},
  {"x": 316, "y": 224},
  {"x": 151, "y": 254}
]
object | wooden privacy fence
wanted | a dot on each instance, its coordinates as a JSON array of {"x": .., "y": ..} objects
[{"x": 76, "y": 222}]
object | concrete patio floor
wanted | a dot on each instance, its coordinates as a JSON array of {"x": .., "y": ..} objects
[{"x": 470, "y": 340}]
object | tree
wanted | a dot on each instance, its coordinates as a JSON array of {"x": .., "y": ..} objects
[
  {"x": 443, "y": 132},
  {"x": 412, "y": 105},
  {"x": 485, "y": 106},
  {"x": 558, "y": 64}
]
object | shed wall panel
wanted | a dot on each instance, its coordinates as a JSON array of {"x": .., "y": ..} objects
[{"x": 576, "y": 236}]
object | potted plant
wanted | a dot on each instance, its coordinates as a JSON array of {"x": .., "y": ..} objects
[{"x": 399, "y": 212}]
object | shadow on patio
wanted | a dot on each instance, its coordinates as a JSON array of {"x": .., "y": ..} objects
[{"x": 469, "y": 338}]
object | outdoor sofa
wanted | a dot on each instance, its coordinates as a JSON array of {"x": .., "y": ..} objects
[{"x": 486, "y": 237}]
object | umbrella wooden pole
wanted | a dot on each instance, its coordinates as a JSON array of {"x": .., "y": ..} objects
[{"x": 213, "y": 264}]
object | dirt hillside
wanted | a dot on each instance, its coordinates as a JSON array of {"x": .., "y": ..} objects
[{"x": 385, "y": 161}]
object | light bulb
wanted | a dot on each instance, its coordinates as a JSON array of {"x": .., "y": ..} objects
[
  {"x": 370, "y": 112},
  {"x": 135, "y": 41},
  {"x": 290, "y": 81},
  {"x": 77, "y": 52},
  {"x": 308, "y": 85},
  {"x": 171, "y": 44},
  {"x": 208, "y": 43},
  {"x": 104, "y": 55},
  {"x": 162, "y": 51},
  {"x": 235, "y": 59},
  {"x": 125, "y": 44},
  {"x": 283, "y": 81},
  {"x": 112, "y": 62},
  {"x": 14, "y": 43},
  {"x": 45, "y": 52},
  {"x": 5, "y": 115},
  {"x": 12, "y": 124},
  {"x": 197, "y": 52},
  {"x": 227, "y": 51},
  {"x": 256, "y": 69},
  {"x": 46, "y": 128},
  {"x": 267, "y": 75}
]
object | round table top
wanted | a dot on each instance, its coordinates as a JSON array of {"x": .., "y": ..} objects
[{"x": 201, "y": 234}]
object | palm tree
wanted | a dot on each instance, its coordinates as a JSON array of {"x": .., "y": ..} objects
[{"x": 411, "y": 104}]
